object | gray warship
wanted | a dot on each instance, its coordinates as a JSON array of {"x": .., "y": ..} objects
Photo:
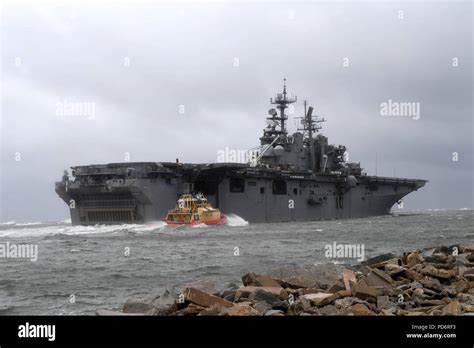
[{"x": 297, "y": 177}]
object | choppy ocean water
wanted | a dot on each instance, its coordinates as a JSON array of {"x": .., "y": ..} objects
[{"x": 103, "y": 266}]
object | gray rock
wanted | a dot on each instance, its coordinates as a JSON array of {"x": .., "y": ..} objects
[
  {"x": 140, "y": 304},
  {"x": 415, "y": 285},
  {"x": 230, "y": 297},
  {"x": 165, "y": 304},
  {"x": 262, "y": 307},
  {"x": 314, "y": 276},
  {"x": 328, "y": 310},
  {"x": 214, "y": 310},
  {"x": 281, "y": 305},
  {"x": 260, "y": 295},
  {"x": 378, "y": 259},
  {"x": 274, "y": 312},
  {"x": 469, "y": 274}
]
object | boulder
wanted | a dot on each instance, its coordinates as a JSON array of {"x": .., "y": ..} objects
[
  {"x": 190, "y": 310},
  {"x": 301, "y": 292},
  {"x": 299, "y": 306},
  {"x": 412, "y": 274},
  {"x": 274, "y": 313},
  {"x": 254, "y": 279},
  {"x": 262, "y": 295},
  {"x": 378, "y": 278},
  {"x": 382, "y": 302},
  {"x": 394, "y": 269},
  {"x": 347, "y": 277},
  {"x": 320, "y": 299},
  {"x": 467, "y": 248},
  {"x": 314, "y": 276},
  {"x": 230, "y": 297},
  {"x": 414, "y": 258},
  {"x": 334, "y": 288},
  {"x": 142, "y": 304},
  {"x": 363, "y": 291},
  {"x": 452, "y": 308},
  {"x": 431, "y": 284},
  {"x": 469, "y": 274},
  {"x": 242, "y": 310},
  {"x": 361, "y": 310},
  {"x": 281, "y": 305},
  {"x": 438, "y": 272},
  {"x": 204, "y": 299},
  {"x": 344, "y": 303},
  {"x": 246, "y": 291},
  {"x": 467, "y": 307},
  {"x": 466, "y": 298},
  {"x": 214, "y": 310},
  {"x": 378, "y": 259},
  {"x": 262, "y": 307},
  {"x": 165, "y": 304},
  {"x": 328, "y": 310},
  {"x": 418, "y": 292}
]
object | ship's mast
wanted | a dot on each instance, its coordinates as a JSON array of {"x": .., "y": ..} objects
[
  {"x": 310, "y": 126},
  {"x": 281, "y": 100}
]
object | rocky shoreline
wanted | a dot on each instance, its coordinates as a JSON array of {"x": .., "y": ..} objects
[{"x": 431, "y": 281}]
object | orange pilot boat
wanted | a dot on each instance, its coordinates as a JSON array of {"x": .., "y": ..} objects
[{"x": 194, "y": 209}]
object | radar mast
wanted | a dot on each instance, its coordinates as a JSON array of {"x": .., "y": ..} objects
[
  {"x": 310, "y": 125},
  {"x": 276, "y": 122}
]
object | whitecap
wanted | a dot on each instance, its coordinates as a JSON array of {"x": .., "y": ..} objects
[{"x": 235, "y": 220}]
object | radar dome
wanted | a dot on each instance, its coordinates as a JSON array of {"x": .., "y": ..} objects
[
  {"x": 351, "y": 181},
  {"x": 278, "y": 150}
]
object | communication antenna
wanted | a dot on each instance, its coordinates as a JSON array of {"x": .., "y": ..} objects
[{"x": 281, "y": 100}]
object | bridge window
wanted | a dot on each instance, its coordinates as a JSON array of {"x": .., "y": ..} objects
[
  {"x": 279, "y": 187},
  {"x": 237, "y": 185}
]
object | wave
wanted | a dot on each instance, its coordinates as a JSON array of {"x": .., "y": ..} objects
[
  {"x": 235, "y": 220},
  {"x": 29, "y": 223},
  {"x": 8, "y": 223},
  {"x": 69, "y": 230}
]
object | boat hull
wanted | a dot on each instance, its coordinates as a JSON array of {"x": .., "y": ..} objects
[
  {"x": 220, "y": 221},
  {"x": 304, "y": 198}
]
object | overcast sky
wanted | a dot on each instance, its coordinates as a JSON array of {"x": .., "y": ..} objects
[{"x": 136, "y": 64}]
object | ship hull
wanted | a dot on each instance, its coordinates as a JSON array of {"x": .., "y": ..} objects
[{"x": 256, "y": 196}]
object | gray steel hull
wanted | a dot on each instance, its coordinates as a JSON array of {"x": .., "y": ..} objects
[{"x": 320, "y": 198}]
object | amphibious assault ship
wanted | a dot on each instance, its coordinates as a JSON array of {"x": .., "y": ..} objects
[{"x": 297, "y": 177}]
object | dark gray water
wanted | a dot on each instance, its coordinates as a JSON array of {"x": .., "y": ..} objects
[{"x": 90, "y": 262}]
